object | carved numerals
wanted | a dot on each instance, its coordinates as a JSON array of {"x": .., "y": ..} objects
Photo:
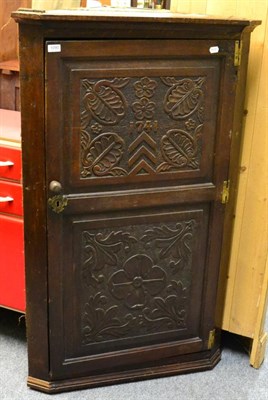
[
  {"x": 132, "y": 127},
  {"x": 136, "y": 282}
]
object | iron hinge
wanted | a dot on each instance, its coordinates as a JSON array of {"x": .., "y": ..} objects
[
  {"x": 211, "y": 339},
  {"x": 237, "y": 53},
  {"x": 225, "y": 192}
]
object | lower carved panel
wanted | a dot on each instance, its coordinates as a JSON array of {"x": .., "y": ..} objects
[{"x": 136, "y": 280}]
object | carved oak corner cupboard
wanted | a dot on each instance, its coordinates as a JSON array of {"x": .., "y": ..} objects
[{"x": 130, "y": 127}]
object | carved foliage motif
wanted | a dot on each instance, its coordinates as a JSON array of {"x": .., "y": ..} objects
[
  {"x": 121, "y": 136},
  {"x": 101, "y": 155},
  {"x": 103, "y": 101},
  {"x": 174, "y": 243},
  {"x": 101, "y": 250},
  {"x": 180, "y": 149},
  {"x": 137, "y": 281},
  {"x": 101, "y": 320},
  {"x": 184, "y": 97}
]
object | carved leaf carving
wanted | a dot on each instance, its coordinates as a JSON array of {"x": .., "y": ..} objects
[
  {"x": 85, "y": 119},
  {"x": 99, "y": 320},
  {"x": 183, "y": 98},
  {"x": 165, "y": 167},
  {"x": 179, "y": 149},
  {"x": 103, "y": 154},
  {"x": 167, "y": 311},
  {"x": 104, "y": 101},
  {"x": 172, "y": 242},
  {"x": 177, "y": 289},
  {"x": 85, "y": 139},
  {"x": 101, "y": 250},
  {"x": 120, "y": 82}
]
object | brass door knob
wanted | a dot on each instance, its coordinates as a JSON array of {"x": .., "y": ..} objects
[{"x": 55, "y": 187}]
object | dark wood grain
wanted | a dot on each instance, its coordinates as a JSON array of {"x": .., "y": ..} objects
[
  {"x": 110, "y": 24},
  {"x": 189, "y": 364},
  {"x": 34, "y": 187},
  {"x": 136, "y": 137}
]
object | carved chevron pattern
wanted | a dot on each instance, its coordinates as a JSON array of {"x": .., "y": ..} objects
[
  {"x": 142, "y": 168},
  {"x": 144, "y": 137},
  {"x": 142, "y": 151}
]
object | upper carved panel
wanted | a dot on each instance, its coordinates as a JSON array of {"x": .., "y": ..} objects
[{"x": 141, "y": 126}]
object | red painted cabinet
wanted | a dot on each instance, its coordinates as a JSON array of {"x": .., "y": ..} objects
[{"x": 12, "y": 277}]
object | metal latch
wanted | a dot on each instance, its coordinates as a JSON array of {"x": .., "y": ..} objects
[
  {"x": 211, "y": 339},
  {"x": 225, "y": 192},
  {"x": 237, "y": 53}
]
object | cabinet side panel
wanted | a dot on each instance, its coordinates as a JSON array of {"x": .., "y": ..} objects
[{"x": 32, "y": 104}]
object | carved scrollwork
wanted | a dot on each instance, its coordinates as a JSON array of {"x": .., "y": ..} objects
[
  {"x": 166, "y": 311},
  {"x": 101, "y": 249},
  {"x": 136, "y": 283},
  {"x": 101, "y": 322}
]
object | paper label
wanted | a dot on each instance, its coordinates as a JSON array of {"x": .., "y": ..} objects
[
  {"x": 54, "y": 48},
  {"x": 214, "y": 49}
]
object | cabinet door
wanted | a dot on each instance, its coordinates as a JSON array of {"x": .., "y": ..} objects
[{"x": 138, "y": 137}]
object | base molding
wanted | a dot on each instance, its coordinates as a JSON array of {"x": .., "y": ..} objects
[{"x": 125, "y": 376}]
